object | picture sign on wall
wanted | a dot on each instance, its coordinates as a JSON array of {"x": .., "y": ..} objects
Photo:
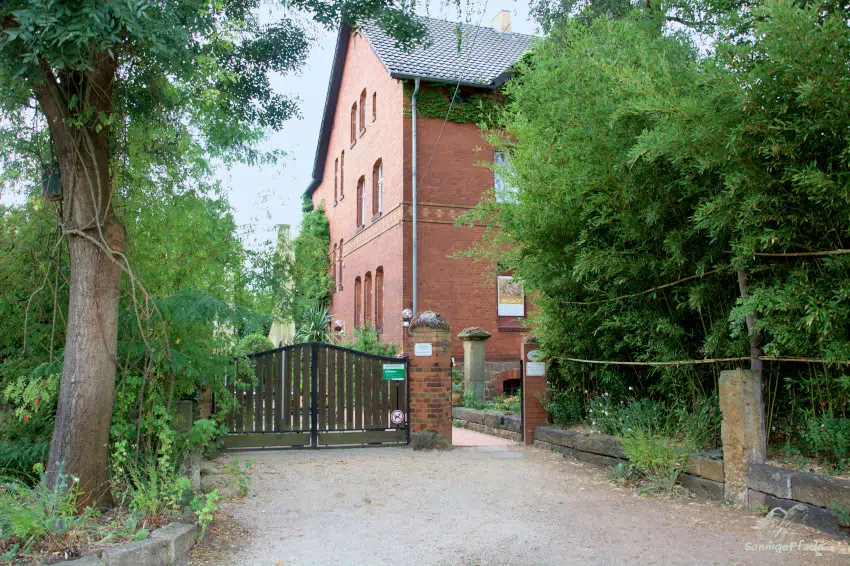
[{"x": 511, "y": 296}]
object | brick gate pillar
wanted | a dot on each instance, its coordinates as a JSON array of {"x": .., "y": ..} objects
[
  {"x": 533, "y": 388},
  {"x": 429, "y": 346}
]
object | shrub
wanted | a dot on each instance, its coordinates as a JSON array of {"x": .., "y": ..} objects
[
  {"x": 827, "y": 437},
  {"x": 565, "y": 408},
  {"x": 30, "y": 513},
  {"x": 655, "y": 457},
  {"x": 366, "y": 339},
  {"x": 470, "y": 401}
]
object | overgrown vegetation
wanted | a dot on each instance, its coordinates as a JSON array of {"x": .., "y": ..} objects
[
  {"x": 672, "y": 204},
  {"x": 511, "y": 405},
  {"x": 366, "y": 339}
]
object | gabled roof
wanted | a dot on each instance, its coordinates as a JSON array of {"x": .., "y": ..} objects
[
  {"x": 471, "y": 55},
  {"x": 475, "y": 56}
]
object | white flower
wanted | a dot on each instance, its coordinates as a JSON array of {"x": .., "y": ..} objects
[
  {"x": 585, "y": 391},
  {"x": 631, "y": 388},
  {"x": 593, "y": 422},
  {"x": 76, "y": 480}
]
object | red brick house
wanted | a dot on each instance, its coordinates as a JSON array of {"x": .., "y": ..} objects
[{"x": 367, "y": 178}]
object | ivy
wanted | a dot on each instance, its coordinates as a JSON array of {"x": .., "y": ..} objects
[{"x": 434, "y": 100}]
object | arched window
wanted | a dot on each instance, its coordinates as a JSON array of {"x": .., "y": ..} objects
[
  {"x": 374, "y": 105},
  {"x": 357, "y": 298},
  {"x": 336, "y": 178},
  {"x": 340, "y": 280},
  {"x": 377, "y": 187},
  {"x": 363, "y": 112},
  {"x": 333, "y": 267},
  {"x": 379, "y": 299},
  {"x": 361, "y": 200},
  {"x": 367, "y": 298},
  {"x": 341, "y": 175},
  {"x": 353, "y": 123}
]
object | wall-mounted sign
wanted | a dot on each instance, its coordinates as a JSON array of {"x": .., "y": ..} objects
[
  {"x": 535, "y": 369},
  {"x": 535, "y": 356},
  {"x": 393, "y": 372},
  {"x": 511, "y": 296},
  {"x": 423, "y": 349},
  {"x": 397, "y": 417}
]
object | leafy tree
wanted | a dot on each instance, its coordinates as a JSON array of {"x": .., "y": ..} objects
[
  {"x": 114, "y": 77},
  {"x": 652, "y": 180}
]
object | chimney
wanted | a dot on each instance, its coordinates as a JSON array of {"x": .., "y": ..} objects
[{"x": 502, "y": 21}]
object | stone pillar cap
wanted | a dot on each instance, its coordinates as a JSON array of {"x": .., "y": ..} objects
[
  {"x": 429, "y": 319},
  {"x": 529, "y": 340},
  {"x": 474, "y": 333}
]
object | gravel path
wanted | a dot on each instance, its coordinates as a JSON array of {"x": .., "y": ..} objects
[{"x": 486, "y": 505}]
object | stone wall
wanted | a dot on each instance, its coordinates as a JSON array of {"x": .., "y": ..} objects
[
  {"x": 494, "y": 424},
  {"x": 767, "y": 485}
]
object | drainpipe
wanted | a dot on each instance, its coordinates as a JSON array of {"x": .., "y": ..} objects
[{"x": 415, "y": 202}]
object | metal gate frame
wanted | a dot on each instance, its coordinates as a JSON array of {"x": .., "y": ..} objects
[{"x": 267, "y": 429}]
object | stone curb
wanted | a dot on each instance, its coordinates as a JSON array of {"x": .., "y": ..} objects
[
  {"x": 168, "y": 545},
  {"x": 503, "y": 421},
  {"x": 814, "y": 489}
]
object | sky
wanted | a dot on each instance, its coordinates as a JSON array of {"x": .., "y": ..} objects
[{"x": 265, "y": 196}]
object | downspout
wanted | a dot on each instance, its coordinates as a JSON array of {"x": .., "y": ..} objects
[{"x": 415, "y": 201}]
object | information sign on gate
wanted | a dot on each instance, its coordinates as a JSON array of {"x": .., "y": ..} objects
[{"x": 393, "y": 372}]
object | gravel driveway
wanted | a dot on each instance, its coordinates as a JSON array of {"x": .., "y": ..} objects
[{"x": 484, "y": 505}]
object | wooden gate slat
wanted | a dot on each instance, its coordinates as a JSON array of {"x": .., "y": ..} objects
[
  {"x": 240, "y": 408},
  {"x": 249, "y": 407},
  {"x": 339, "y": 381},
  {"x": 287, "y": 390},
  {"x": 231, "y": 415},
  {"x": 277, "y": 419},
  {"x": 345, "y": 388},
  {"x": 305, "y": 387},
  {"x": 326, "y": 420},
  {"x": 379, "y": 402},
  {"x": 260, "y": 371},
  {"x": 357, "y": 366}
]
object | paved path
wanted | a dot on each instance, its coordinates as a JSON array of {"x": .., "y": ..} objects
[
  {"x": 466, "y": 437},
  {"x": 479, "y": 506}
]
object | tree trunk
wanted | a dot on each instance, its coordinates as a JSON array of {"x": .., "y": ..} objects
[
  {"x": 759, "y": 451},
  {"x": 80, "y": 445}
]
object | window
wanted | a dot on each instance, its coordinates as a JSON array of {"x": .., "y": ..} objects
[
  {"x": 501, "y": 177},
  {"x": 377, "y": 187},
  {"x": 357, "y": 299},
  {"x": 333, "y": 267},
  {"x": 341, "y": 265},
  {"x": 353, "y": 124},
  {"x": 374, "y": 105},
  {"x": 379, "y": 299},
  {"x": 363, "y": 112},
  {"x": 367, "y": 298},
  {"x": 336, "y": 178},
  {"x": 341, "y": 175},
  {"x": 361, "y": 200}
]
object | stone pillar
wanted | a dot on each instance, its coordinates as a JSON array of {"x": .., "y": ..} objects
[
  {"x": 741, "y": 430},
  {"x": 429, "y": 347},
  {"x": 533, "y": 388},
  {"x": 473, "y": 360}
]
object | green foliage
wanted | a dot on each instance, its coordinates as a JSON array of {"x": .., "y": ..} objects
[
  {"x": 640, "y": 162},
  {"x": 470, "y": 401},
  {"x": 239, "y": 477},
  {"x": 433, "y": 101},
  {"x": 366, "y": 339},
  {"x": 253, "y": 343},
  {"x": 29, "y": 513},
  {"x": 655, "y": 457},
  {"x": 565, "y": 408},
  {"x": 827, "y": 437},
  {"x": 204, "y": 506},
  {"x": 621, "y": 473},
  {"x": 315, "y": 325},
  {"x": 841, "y": 513}
]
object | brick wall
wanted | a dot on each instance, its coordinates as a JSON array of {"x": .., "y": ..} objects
[{"x": 431, "y": 382}]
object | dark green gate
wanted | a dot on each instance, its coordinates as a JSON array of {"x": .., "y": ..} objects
[{"x": 313, "y": 395}]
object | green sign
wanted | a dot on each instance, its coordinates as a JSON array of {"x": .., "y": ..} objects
[{"x": 393, "y": 372}]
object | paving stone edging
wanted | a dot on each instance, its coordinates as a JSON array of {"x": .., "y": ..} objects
[
  {"x": 167, "y": 546},
  {"x": 488, "y": 422}
]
